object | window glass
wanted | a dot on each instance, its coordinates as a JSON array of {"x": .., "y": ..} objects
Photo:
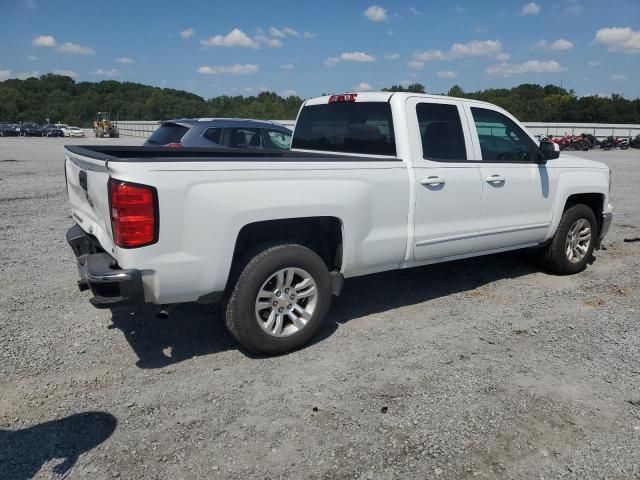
[
  {"x": 242, "y": 138},
  {"x": 352, "y": 127},
  {"x": 279, "y": 139},
  {"x": 167, "y": 133},
  {"x": 500, "y": 138},
  {"x": 441, "y": 132},
  {"x": 213, "y": 135}
]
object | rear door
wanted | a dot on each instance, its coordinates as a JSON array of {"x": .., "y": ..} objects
[
  {"x": 447, "y": 185},
  {"x": 87, "y": 187},
  {"x": 517, "y": 192}
]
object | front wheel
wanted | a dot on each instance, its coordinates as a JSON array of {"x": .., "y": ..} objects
[
  {"x": 573, "y": 242},
  {"x": 279, "y": 300}
]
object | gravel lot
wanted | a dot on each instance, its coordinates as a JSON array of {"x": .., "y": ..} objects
[{"x": 485, "y": 368}]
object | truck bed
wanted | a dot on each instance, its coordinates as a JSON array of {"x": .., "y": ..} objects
[{"x": 191, "y": 154}]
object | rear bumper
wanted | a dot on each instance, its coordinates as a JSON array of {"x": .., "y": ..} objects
[{"x": 111, "y": 286}]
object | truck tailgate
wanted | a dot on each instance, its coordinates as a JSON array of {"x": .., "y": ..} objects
[{"x": 88, "y": 189}]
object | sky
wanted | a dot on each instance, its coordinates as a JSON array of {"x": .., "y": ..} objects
[{"x": 308, "y": 47}]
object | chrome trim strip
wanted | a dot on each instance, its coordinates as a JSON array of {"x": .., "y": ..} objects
[{"x": 481, "y": 234}]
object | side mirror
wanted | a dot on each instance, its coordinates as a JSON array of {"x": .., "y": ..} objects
[{"x": 548, "y": 151}]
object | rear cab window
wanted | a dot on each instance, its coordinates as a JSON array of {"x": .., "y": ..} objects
[
  {"x": 168, "y": 133},
  {"x": 213, "y": 135},
  {"x": 350, "y": 127}
]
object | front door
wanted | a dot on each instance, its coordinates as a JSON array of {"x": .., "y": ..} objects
[{"x": 517, "y": 192}]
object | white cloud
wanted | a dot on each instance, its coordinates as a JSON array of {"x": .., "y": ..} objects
[
  {"x": 44, "y": 41},
  {"x": 235, "y": 38},
  {"x": 33, "y": 58},
  {"x": 405, "y": 83},
  {"x": 619, "y": 39},
  {"x": 287, "y": 66},
  {"x": 532, "y": 66},
  {"x": 4, "y": 74},
  {"x": 187, "y": 33},
  {"x": 391, "y": 56},
  {"x": 232, "y": 69},
  {"x": 415, "y": 64},
  {"x": 415, "y": 11},
  {"x": 594, "y": 63},
  {"x": 289, "y": 93},
  {"x": 66, "y": 73},
  {"x": 376, "y": 14},
  {"x": 308, "y": 35},
  {"x": 530, "y": 9},
  {"x": 350, "y": 57},
  {"x": 126, "y": 60},
  {"x": 291, "y": 32},
  {"x": 475, "y": 48},
  {"x": 31, "y": 4},
  {"x": 618, "y": 77},
  {"x": 25, "y": 75},
  {"x": 447, "y": 74},
  {"x": 557, "y": 46},
  {"x": 274, "y": 32},
  {"x": 363, "y": 87},
  {"x": 105, "y": 73},
  {"x": 274, "y": 42},
  {"x": 75, "y": 49}
]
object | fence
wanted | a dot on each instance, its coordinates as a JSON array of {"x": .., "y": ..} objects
[{"x": 600, "y": 130}]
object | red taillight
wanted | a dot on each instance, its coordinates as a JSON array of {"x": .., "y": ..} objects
[
  {"x": 134, "y": 215},
  {"x": 174, "y": 145},
  {"x": 346, "y": 97}
]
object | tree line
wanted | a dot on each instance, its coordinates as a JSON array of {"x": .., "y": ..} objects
[{"x": 60, "y": 98}]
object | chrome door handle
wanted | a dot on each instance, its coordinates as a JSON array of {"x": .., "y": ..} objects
[
  {"x": 495, "y": 179},
  {"x": 432, "y": 181}
]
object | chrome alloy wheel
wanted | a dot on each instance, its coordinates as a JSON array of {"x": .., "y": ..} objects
[
  {"x": 578, "y": 240},
  {"x": 286, "y": 302}
]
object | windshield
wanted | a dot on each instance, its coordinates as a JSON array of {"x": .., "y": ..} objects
[{"x": 350, "y": 127}]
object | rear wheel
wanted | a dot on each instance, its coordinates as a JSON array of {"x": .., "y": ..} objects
[
  {"x": 280, "y": 299},
  {"x": 573, "y": 242}
]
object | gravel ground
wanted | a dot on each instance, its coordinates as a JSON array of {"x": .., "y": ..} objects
[{"x": 485, "y": 368}]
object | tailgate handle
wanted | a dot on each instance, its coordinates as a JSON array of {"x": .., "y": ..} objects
[{"x": 82, "y": 177}]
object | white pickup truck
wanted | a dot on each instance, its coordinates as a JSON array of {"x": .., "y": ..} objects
[{"x": 373, "y": 182}]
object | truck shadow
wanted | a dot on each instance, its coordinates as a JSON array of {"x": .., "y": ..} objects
[
  {"x": 24, "y": 452},
  {"x": 193, "y": 330},
  {"x": 386, "y": 291}
]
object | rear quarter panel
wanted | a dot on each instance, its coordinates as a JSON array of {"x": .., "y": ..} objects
[{"x": 204, "y": 205}]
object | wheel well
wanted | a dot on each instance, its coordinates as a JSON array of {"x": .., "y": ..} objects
[
  {"x": 595, "y": 201},
  {"x": 323, "y": 235}
]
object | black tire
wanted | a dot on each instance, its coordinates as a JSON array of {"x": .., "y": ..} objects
[
  {"x": 554, "y": 256},
  {"x": 251, "y": 274}
]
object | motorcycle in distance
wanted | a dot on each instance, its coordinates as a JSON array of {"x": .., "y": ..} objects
[{"x": 611, "y": 143}]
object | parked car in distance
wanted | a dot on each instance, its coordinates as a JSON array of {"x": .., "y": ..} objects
[
  {"x": 75, "y": 132},
  {"x": 8, "y": 130},
  {"x": 220, "y": 133},
  {"x": 64, "y": 127},
  {"x": 32, "y": 130},
  {"x": 635, "y": 142},
  {"x": 53, "y": 131},
  {"x": 374, "y": 181}
]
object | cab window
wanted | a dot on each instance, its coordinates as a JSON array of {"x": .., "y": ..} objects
[
  {"x": 441, "y": 132},
  {"x": 501, "y": 140}
]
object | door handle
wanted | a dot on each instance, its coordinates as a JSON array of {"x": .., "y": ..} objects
[
  {"x": 432, "y": 181},
  {"x": 495, "y": 179}
]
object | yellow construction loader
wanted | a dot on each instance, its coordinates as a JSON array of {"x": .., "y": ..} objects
[{"x": 103, "y": 126}]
